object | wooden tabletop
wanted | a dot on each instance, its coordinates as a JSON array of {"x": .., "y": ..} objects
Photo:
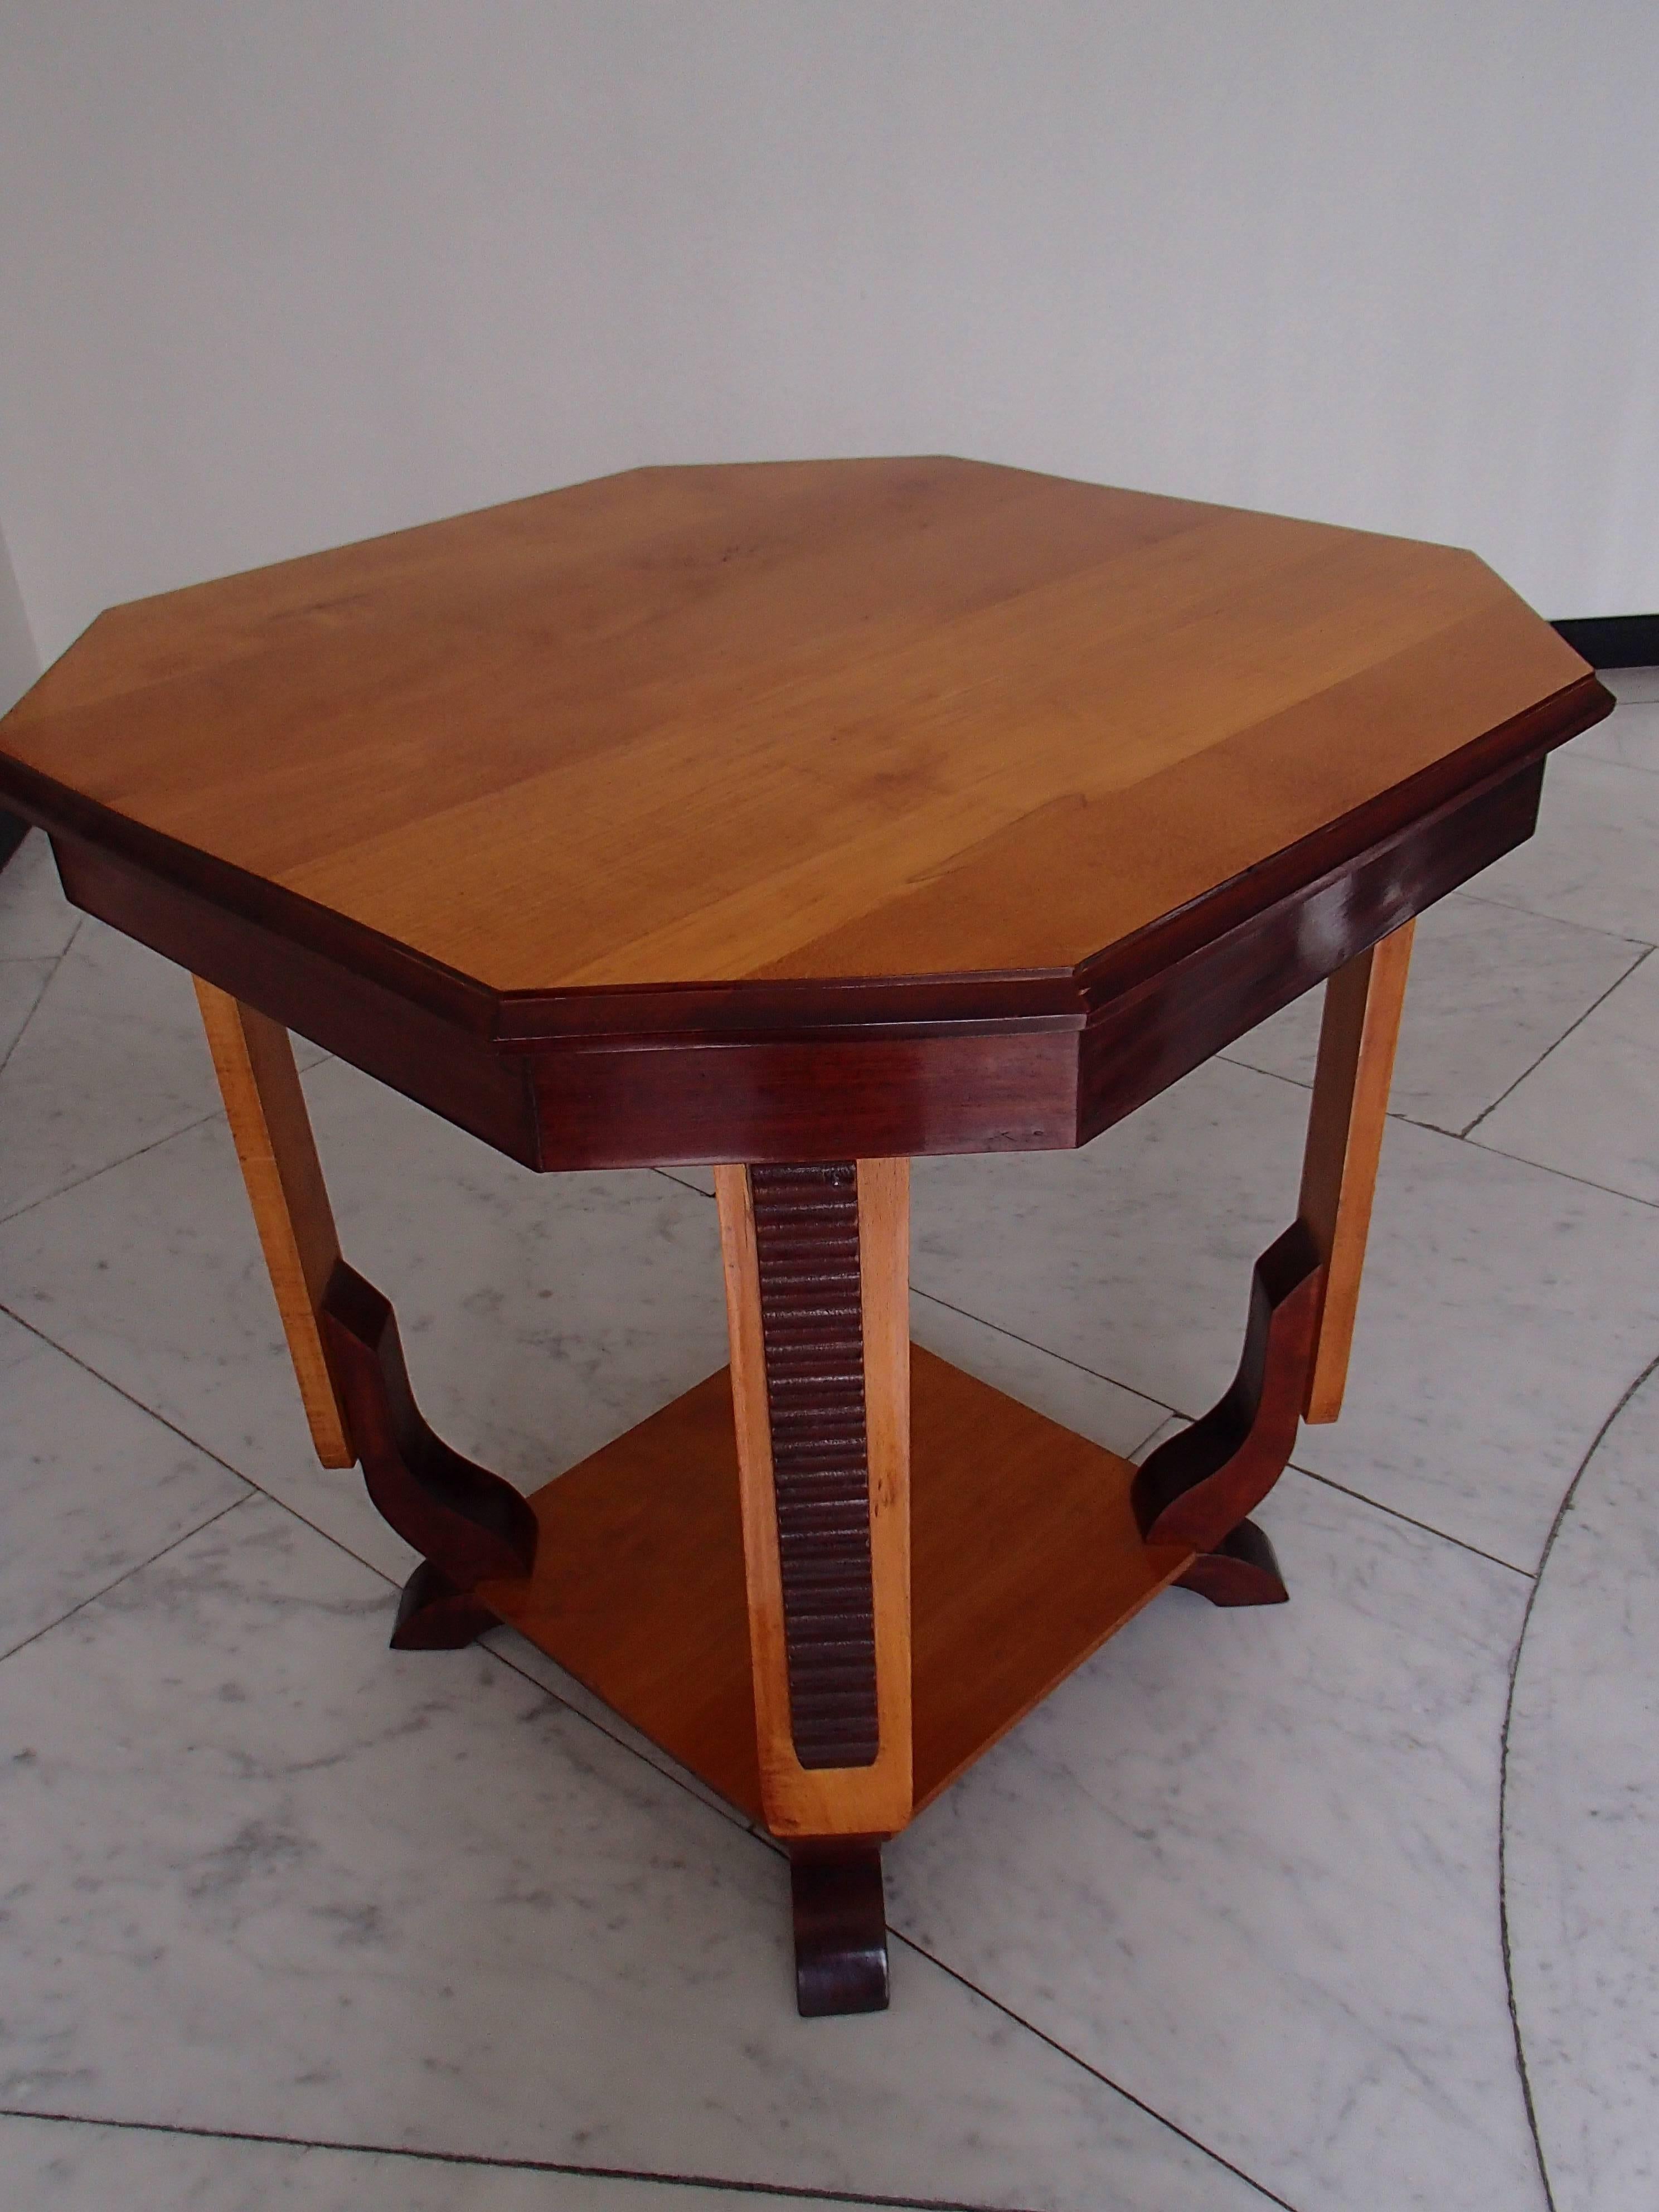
[{"x": 794, "y": 721}]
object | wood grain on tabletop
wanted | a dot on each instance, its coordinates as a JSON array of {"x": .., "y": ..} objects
[{"x": 792, "y": 720}]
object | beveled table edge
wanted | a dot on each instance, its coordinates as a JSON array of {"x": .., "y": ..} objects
[{"x": 762, "y": 1069}]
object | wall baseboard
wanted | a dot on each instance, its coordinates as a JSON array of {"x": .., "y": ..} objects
[{"x": 1614, "y": 641}]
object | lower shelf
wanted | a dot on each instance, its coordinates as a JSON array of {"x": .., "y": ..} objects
[{"x": 1024, "y": 1558}]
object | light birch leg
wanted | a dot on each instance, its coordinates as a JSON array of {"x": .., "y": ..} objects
[
  {"x": 274, "y": 1142},
  {"x": 817, "y": 1268},
  {"x": 1363, "y": 1001}
]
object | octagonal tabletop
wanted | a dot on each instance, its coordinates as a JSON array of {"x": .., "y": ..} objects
[{"x": 781, "y": 746}]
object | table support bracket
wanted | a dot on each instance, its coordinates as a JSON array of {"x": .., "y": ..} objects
[
  {"x": 1197, "y": 1489},
  {"x": 815, "y": 1261},
  {"x": 469, "y": 1524}
]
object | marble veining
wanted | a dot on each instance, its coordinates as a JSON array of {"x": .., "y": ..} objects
[
  {"x": 1123, "y": 1420},
  {"x": 1244, "y": 1862},
  {"x": 262, "y": 1875},
  {"x": 1581, "y": 1831}
]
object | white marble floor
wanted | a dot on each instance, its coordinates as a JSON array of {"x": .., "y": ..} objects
[{"x": 1347, "y": 1905}]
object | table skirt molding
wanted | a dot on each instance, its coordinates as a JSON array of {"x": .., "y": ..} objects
[{"x": 759, "y": 1072}]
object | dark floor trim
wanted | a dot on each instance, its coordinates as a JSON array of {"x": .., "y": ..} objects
[
  {"x": 1614, "y": 641},
  {"x": 13, "y": 830}
]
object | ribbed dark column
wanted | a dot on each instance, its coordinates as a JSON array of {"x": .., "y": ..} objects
[{"x": 806, "y": 1240}]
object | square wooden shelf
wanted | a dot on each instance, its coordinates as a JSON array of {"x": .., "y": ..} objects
[{"x": 1025, "y": 1557}]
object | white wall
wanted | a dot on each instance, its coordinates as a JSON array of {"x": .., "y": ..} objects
[{"x": 280, "y": 272}]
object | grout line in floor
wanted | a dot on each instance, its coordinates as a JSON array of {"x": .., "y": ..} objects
[
  {"x": 1305, "y": 1083},
  {"x": 92, "y": 1175},
  {"x": 1591, "y": 928},
  {"x": 195, "y": 1443},
  {"x": 729, "y": 1813},
  {"x": 56, "y": 961},
  {"x": 86, "y": 1368},
  {"x": 486, "y": 2161},
  {"x": 1561, "y": 1512},
  {"x": 1295, "y": 1466},
  {"x": 1177, "y": 1412},
  {"x": 1475, "y": 1144},
  {"x": 1469, "y": 1127},
  {"x": 255, "y": 1488},
  {"x": 125, "y": 1574},
  {"x": 680, "y": 1184},
  {"x": 1077, "y": 1366},
  {"x": 1584, "y": 1183},
  {"x": 1117, "y": 2088}
]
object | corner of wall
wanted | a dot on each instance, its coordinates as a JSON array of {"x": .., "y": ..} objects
[{"x": 19, "y": 657}]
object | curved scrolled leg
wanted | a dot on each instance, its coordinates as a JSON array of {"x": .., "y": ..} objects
[
  {"x": 467, "y": 1523},
  {"x": 1197, "y": 1489},
  {"x": 841, "y": 1926}
]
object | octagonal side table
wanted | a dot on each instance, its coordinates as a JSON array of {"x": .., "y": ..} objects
[{"x": 804, "y": 819}]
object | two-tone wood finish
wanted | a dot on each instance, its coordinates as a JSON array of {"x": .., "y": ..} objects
[
  {"x": 810, "y": 1296},
  {"x": 805, "y": 819},
  {"x": 833, "y": 1720},
  {"x": 466, "y": 1522},
  {"x": 816, "y": 1262},
  {"x": 270, "y": 1128},
  {"x": 342, "y": 1339},
  {"x": 862, "y": 1068},
  {"x": 811, "y": 720},
  {"x": 1025, "y": 1557},
  {"x": 1357, "y": 1044},
  {"x": 796, "y": 812},
  {"x": 1198, "y": 1488}
]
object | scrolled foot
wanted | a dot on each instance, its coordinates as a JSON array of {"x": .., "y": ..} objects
[
  {"x": 840, "y": 1928},
  {"x": 434, "y": 1615},
  {"x": 1241, "y": 1571}
]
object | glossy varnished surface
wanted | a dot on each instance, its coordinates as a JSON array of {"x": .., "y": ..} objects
[
  {"x": 796, "y": 811},
  {"x": 638, "y": 1588},
  {"x": 796, "y": 721}
]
